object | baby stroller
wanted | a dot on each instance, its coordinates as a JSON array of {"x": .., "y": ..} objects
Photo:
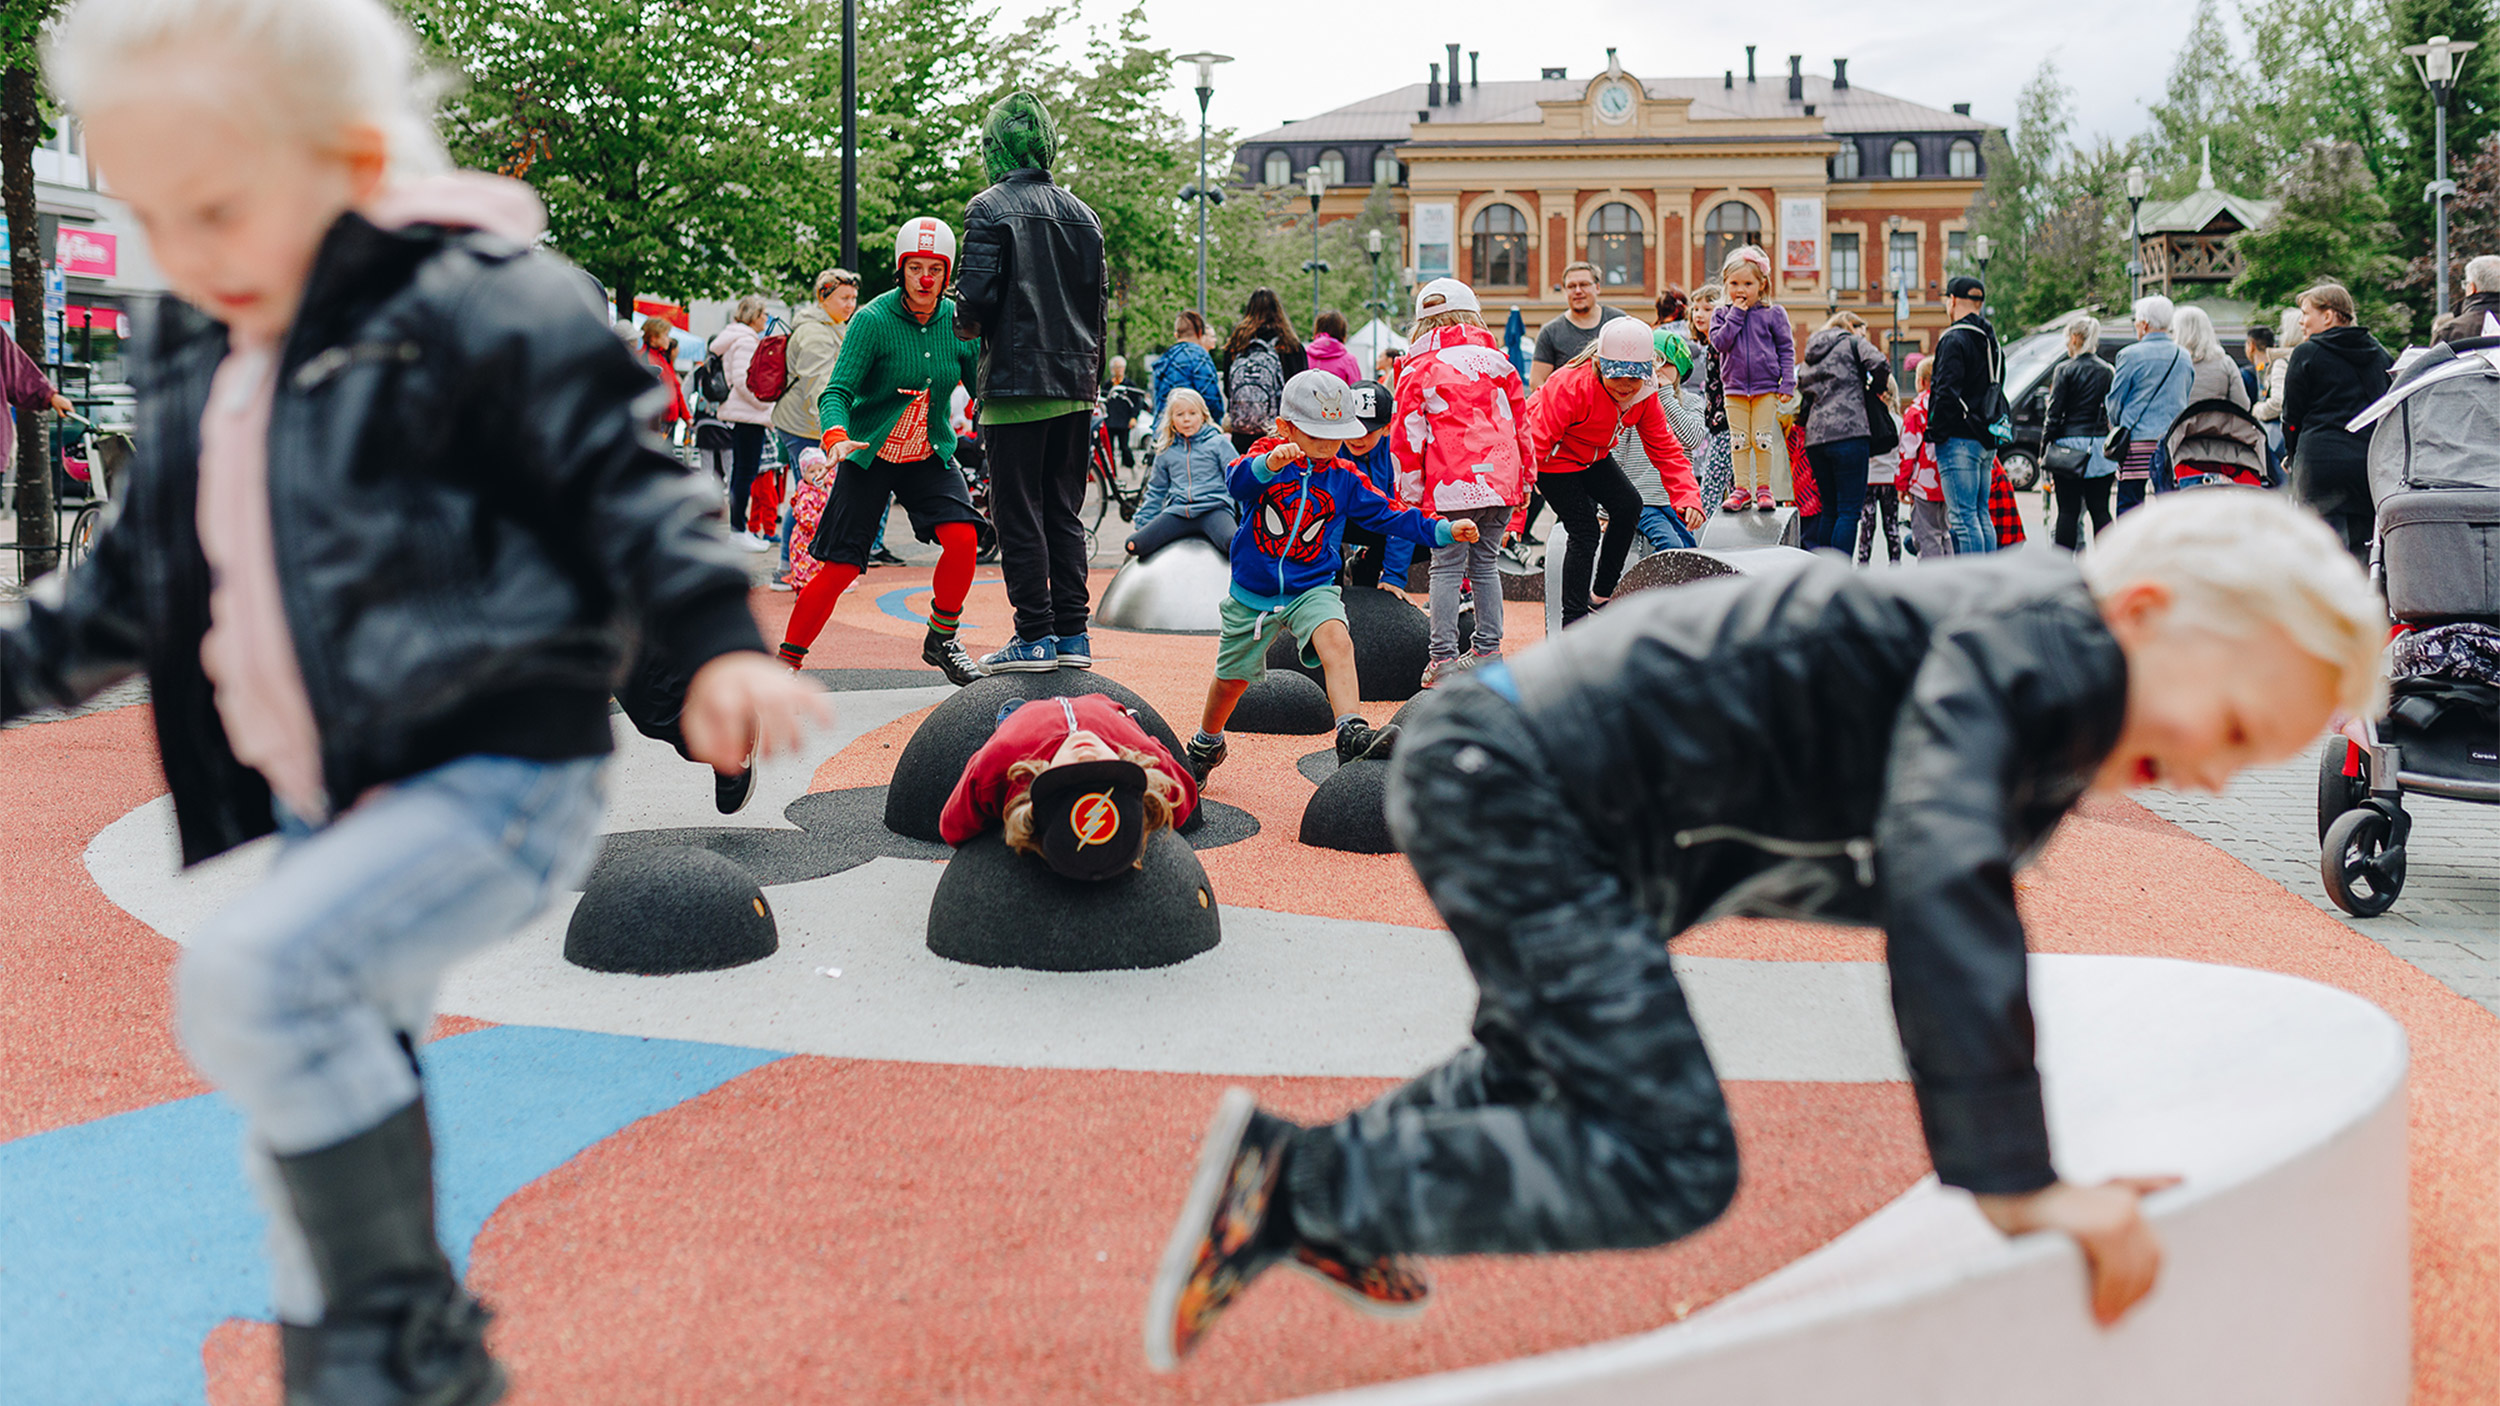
[
  {"x": 2435, "y": 477},
  {"x": 2220, "y": 441}
]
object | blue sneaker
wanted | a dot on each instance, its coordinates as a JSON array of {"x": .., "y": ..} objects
[
  {"x": 1023, "y": 657},
  {"x": 1075, "y": 652}
]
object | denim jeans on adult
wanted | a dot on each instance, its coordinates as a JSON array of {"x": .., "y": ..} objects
[
  {"x": 1461, "y": 562},
  {"x": 1839, "y": 468},
  {"x": 303, "y": 1001},
  {"x": 1963, "y": 464},
  {"x": 1663, "y": 528}
]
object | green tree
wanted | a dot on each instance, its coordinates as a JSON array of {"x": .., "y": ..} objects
[
  {"x": 2021, "y": 187},
  {"x": 2321, "y": 68},
  {"x": 2207, "y": 97},
  {"x": 2473, "y": 224},
  {"x": 2473, "y": 107},
  {"x": 22, "y": 128},
  {"x": 2332, "y": 224}
]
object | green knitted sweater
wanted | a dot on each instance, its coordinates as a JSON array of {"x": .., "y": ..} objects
[{"x": 890, "y": 360}]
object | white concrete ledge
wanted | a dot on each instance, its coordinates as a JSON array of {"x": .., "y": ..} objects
[{"x": 2287, "y": 1278}]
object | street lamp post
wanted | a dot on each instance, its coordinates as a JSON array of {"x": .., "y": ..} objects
[
  {"x": 2137, "y": 184},
  {"x": 2438, "y": 62},
  {"x": 1372, "y": 243},
  {"x": 1202, "y": 192},
  {"x": 1315, "y": 185},
  {"x": 850, "y": 134},
  {"x": 1900, "y": 279},
  {"x": 1981, "y": 248}
]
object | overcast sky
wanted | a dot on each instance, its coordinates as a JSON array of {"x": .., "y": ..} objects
[{"x": 1297, "y": 58}]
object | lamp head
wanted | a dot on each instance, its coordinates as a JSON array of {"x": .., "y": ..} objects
[
  {"x": 2438, "y": 61},
  {"x": 1206, "y": 66},
  {"x": 2137, "y": 183},
  {"x": 1314, "y": 185},
  {"x": 1372, "y": 243},
  {"x": 1982, "y": 247}
]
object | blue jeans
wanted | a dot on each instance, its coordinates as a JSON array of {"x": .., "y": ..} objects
[
  {"x": 1661, "y": 527},
  {"x": 1839, "y": 468},
  {"x": 1963, "y": 464},
  {"x": 302, "y": 1000}
]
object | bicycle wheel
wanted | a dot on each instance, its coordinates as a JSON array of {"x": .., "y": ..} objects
[{"x": 82, "y": 534}]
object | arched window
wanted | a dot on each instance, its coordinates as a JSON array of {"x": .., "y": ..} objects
[
  {"x": 1845, "y": 161},
  {"x": 1279, "y": 169},
  {"x": 1961, "y": 162},
  {"x": 1332, "y": 166},
  {"x": 1729, "y": 224},
  {"x": 1500, "y": 239},
  {"x": 1385, "y": 170},
  {"x": 1904, "y": 159},
  {"x": 1615, "y": 245}
]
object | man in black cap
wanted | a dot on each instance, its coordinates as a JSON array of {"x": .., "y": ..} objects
[{"x": 1965, "y": 410}]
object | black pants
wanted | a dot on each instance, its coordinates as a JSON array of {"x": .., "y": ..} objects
[
  {"x": 1037, "y": 486},
  {"x": 930, "y": 490},
  {"x": 2355, "y": 529},
  {"x": 1166, "y": 528},
  {"x": 1120, "y": 442},
  {"x": 2077, "y": 496},
  {"x": 1586, "y": 1116},
  {"x": 746, "y": 460},
  {"x": 1576, "y": 498}
]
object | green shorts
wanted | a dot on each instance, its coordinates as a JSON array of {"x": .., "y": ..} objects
[{"x": 1241, "y": 651}]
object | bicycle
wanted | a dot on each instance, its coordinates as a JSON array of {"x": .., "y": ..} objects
[{"x": 1107, "y": 489}]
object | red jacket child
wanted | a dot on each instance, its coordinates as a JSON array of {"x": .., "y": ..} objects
[
  {"x": 1034, "y": 732},
  {"x": 1572, "y": 423}
]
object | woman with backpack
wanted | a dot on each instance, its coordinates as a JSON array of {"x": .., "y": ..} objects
[
  {"x": 725, "y": 385},
  {"x": 1840, "y": 369},
  {"x": 1262, "y": 355}
]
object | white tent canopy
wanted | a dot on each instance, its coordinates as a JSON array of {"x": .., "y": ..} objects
[{"x": 1370, "y": 341}]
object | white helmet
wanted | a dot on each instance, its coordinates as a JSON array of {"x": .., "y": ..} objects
[{"x": 925, "y": 235}]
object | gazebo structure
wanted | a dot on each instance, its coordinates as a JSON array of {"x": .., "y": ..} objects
[{"x": 2189, "y": 246}]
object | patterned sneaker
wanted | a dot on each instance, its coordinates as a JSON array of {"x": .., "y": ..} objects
[
  {"x": 947, "y": 653},
  {"x": 1737, "y": 502},
  {"x": 1023, "y": 656},
  {"x": 1075, "y": 652},
  {"x": 1763, "y": 502},
  {"x": 1220, "y": 1243},
  {"x": 1389, "y": 1287},
  {"x": 1202, "y": 756}
]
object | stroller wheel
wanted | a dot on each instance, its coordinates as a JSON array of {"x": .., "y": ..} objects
[
  {"x": 2337, "y": 792},
  {"x": 2362, "y": 874}
]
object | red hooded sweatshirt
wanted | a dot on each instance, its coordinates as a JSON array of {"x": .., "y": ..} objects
[
  {"x": 1032, "y": 733},
  {"x": 1572, "y": 423}
]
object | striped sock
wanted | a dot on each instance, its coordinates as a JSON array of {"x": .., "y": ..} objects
[
  {"x": 794, "y": 655},
  {"x": 943, "y": 622}
]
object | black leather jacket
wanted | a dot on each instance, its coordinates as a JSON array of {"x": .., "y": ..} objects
[
  {"x": 465, "y": 500},
  {"x": 1031, "y": 282},
  {"x": 2077, "y": 389},
  {"x": 1864, "y": 749}
]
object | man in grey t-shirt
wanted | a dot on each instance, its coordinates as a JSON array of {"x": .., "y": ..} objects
[{"x": 1564, "y": 338}]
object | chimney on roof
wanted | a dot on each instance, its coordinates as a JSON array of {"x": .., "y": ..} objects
[
  {"x": 1471, "y": 68},
  {"x": 1961, "y": 109},
  {"x": 1730, "y": 85},
  {"x": 1796, "y": 78},
  {"x": 1453, "y": 75},
  {"x": 1432, "y": 90},
  {"x": 1749, "y": 63},
  {"x": 1840, "y": 75}
]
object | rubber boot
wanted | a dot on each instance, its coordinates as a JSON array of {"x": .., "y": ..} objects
[{"x": 397, "y": 1329}]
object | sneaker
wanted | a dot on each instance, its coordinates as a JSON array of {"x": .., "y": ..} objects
[
  {"x": 1023, "y": 657},
  {"x": 947, "y": 653},
  {"x": 882, "y": 557},
  {"x": 1763, "y": 502},
  {"x": 779, "y": 583},
  {"x": 1359, "y": 740},
  {"x": 1203, "y": 755},
  {"x": 748, "y": 541},
  {"x": 1221, "y": 1241},
  {"x": 1389, "y": 1287},
  {"x": 1737, "y": 501},
  {"x": 730, "y": 794},
  {"x": 1440, "y": 669},
  {"x": 1479, "y": 658},
  {"x": 1076, "y": 652}
]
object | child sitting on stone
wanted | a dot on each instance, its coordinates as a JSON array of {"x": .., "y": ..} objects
[
  {"x": 1297, "y": 493},
  {"x": 1076, "y": 782},
  {"x": 1188, "y": 493}
]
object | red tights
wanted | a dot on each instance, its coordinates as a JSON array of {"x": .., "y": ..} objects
[{"x": 958, "y": 544}]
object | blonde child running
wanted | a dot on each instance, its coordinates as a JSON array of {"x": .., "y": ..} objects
[
  {"x": 351, "y": 639},
  {"x": 1461, "y": 444},
  {"x": 1758, "y": 366}
]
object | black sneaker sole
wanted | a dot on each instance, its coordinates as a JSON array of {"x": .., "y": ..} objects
[{"x": 1216, "y": 1152}]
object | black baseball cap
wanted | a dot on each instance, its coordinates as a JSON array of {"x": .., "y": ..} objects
[
  {"x": 1962, "y": 285},
  {"x": 1091, "y": 817},
  {"x": 1372, "y": 404}
]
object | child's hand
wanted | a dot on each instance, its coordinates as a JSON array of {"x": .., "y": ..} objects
[
  {"x": 1465, "y": 531},
  {"x": 1284, "y": 456},
  {"x": 2107, "y": 1221},
  {"x": 746, "y": 702},
  {"x": 1693, "y": 517}
]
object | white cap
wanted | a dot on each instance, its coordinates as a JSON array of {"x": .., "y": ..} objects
[{"x": 1445, "y": 295}]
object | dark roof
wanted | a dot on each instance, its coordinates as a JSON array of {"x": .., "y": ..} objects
[{"x": 1390, "y": 116}]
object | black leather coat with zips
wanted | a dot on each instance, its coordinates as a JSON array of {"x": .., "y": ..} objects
[{"x": 467, "y": 505}]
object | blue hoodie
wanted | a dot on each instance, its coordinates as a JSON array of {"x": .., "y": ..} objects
[
  {"x": 1293, "y": 525},
  {"x": 1188, "y": 478}
]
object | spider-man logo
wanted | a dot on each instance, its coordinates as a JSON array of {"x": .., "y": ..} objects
[{"x": 1292, "y": 519}]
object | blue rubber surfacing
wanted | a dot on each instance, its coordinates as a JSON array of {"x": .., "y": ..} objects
[{"x": 125, "y": 1241}]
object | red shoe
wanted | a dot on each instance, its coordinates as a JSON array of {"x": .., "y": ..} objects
[
  {"x": 1217, "y": 1246},
  {"x": 1763, "y": 502},
  {"x": 1737, "y": 502}
]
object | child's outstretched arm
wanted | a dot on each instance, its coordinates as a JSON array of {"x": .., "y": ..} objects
[
  {"x": 1955, "y": 941},
  {"x": 1382, "y": 516},
  {"x": 78, "y": 633}
]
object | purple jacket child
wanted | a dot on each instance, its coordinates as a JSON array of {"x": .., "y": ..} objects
[{"x": 1757, "y": 352}]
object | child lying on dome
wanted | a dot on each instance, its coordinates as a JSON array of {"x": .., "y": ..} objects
[
  {"x": 1878, "y": 749},
  {"x": 1075, "y": 781}
]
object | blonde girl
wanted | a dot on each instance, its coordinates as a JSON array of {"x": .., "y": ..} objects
[
  {"x": 1758, "y": 368},
  {"x": 420, "y": 713},
  {"x": 1186, "y": 491}
]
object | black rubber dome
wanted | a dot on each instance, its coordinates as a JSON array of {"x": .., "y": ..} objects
[
  {"x": 673, "y": 909},
  {"x": 997, "y": 908}
]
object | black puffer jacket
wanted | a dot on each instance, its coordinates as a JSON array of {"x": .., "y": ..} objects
[
  {"x": 2333, "y": 376},
  {"x": 466, "y": 501},
  {"x": 1032, "y": 284},
  {"x": 1875, "y": 749},
  {"x": 2077, "y": 390},
  {"x": 1968, "y": 368}
]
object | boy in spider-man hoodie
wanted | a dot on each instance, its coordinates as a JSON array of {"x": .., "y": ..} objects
[{"x": 1297, "y": 495}]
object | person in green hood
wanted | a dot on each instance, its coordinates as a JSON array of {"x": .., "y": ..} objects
[{"x": 1033, "y": 286}]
